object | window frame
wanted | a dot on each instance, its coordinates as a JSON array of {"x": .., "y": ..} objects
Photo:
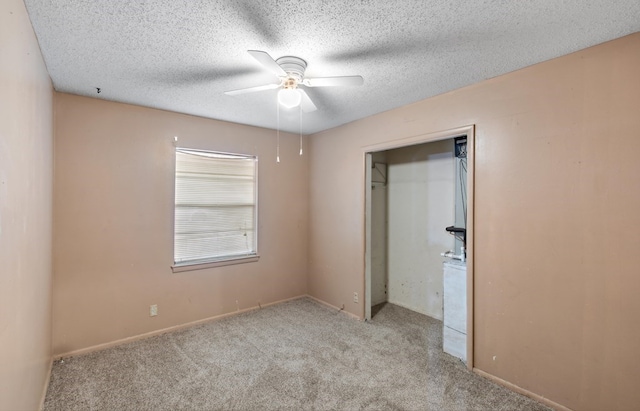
[{"x": 213, "y": 262}]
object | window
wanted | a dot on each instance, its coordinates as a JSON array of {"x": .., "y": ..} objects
[{"x": 215, "y": 208}]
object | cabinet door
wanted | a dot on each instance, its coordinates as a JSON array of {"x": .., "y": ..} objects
[
  {"x": 455, "y": 297},
  {"x": 454, "y": 343}
]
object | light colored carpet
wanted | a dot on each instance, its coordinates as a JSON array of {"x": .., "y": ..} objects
[{"x": 297, "y": 355}]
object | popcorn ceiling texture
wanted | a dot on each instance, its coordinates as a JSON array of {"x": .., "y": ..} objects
[
  {"x": 182, "y": 55},
  {"x": 296, "y": 356}
]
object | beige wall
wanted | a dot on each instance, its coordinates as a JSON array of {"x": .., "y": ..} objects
[
  {"x": 113, "y": 222},
  {"x": 26, "y": 139},
  {"x": 556, "y": 234}
]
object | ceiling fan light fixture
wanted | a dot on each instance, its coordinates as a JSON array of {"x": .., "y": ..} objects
[
  {"x": 289, "y": 97},
  {"x": 290, "y": 71}
]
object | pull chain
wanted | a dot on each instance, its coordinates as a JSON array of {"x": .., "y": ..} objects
[
  {"x": 300, "y": 129},
  {"x": 278, "y": 133}
]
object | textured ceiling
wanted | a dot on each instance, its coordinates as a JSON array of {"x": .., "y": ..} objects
[{"x": 181, "y": 55}]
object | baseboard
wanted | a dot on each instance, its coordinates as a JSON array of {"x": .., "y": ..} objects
[
  {"x": 522, "y": 391},
  {"x": 104, "y": 346},
  {"x": 46, "y": 386},
  {"x": 319, "y": 301}
]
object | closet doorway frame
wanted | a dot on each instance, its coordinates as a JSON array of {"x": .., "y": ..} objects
[{"x": 367, "y": 151}]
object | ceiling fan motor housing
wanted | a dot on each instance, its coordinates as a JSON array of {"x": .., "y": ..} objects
[{"x": 294, "y": 67}]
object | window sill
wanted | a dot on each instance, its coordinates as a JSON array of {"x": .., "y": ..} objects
[{"x": 178, "y": 268}]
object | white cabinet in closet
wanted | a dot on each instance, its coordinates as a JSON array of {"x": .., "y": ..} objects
[{"x": 454, "y": 330}]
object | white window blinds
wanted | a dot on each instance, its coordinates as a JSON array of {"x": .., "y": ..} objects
[{"x": 215, "y": 206}]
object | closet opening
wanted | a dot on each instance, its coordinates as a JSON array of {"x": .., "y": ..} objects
[{"x": 419, "y": 231}]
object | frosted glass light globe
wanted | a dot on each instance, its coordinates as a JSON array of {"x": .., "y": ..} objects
[{"x": 289, "y": 97}]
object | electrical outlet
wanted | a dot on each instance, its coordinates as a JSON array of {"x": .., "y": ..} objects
[
  {"x": 153, "y": 310},
  {"x": 355, "y": 297}
]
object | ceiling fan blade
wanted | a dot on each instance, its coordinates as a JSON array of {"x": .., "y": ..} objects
[
  {"x": 257, "y": 15},
  {"x": 194, "y": 76},
  {"x": 251, "y": 89},
  {"x": 306, "y": 104},
  {"x": 268, "y": 62},
  {"x": 333, "y": 81}
]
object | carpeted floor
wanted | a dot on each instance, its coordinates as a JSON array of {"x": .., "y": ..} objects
[{"x": 297, "y": 355}]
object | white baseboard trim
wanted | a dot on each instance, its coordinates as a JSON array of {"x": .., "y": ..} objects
[
  {"x": 522, "y": 391},
  {"x": 104, "y": 346},
  {"x": 319, "y": 301},
  {"x": 46, "y": 386}
]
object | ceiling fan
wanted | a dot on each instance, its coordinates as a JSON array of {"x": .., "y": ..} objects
[{"x": 290, "y": 72}]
